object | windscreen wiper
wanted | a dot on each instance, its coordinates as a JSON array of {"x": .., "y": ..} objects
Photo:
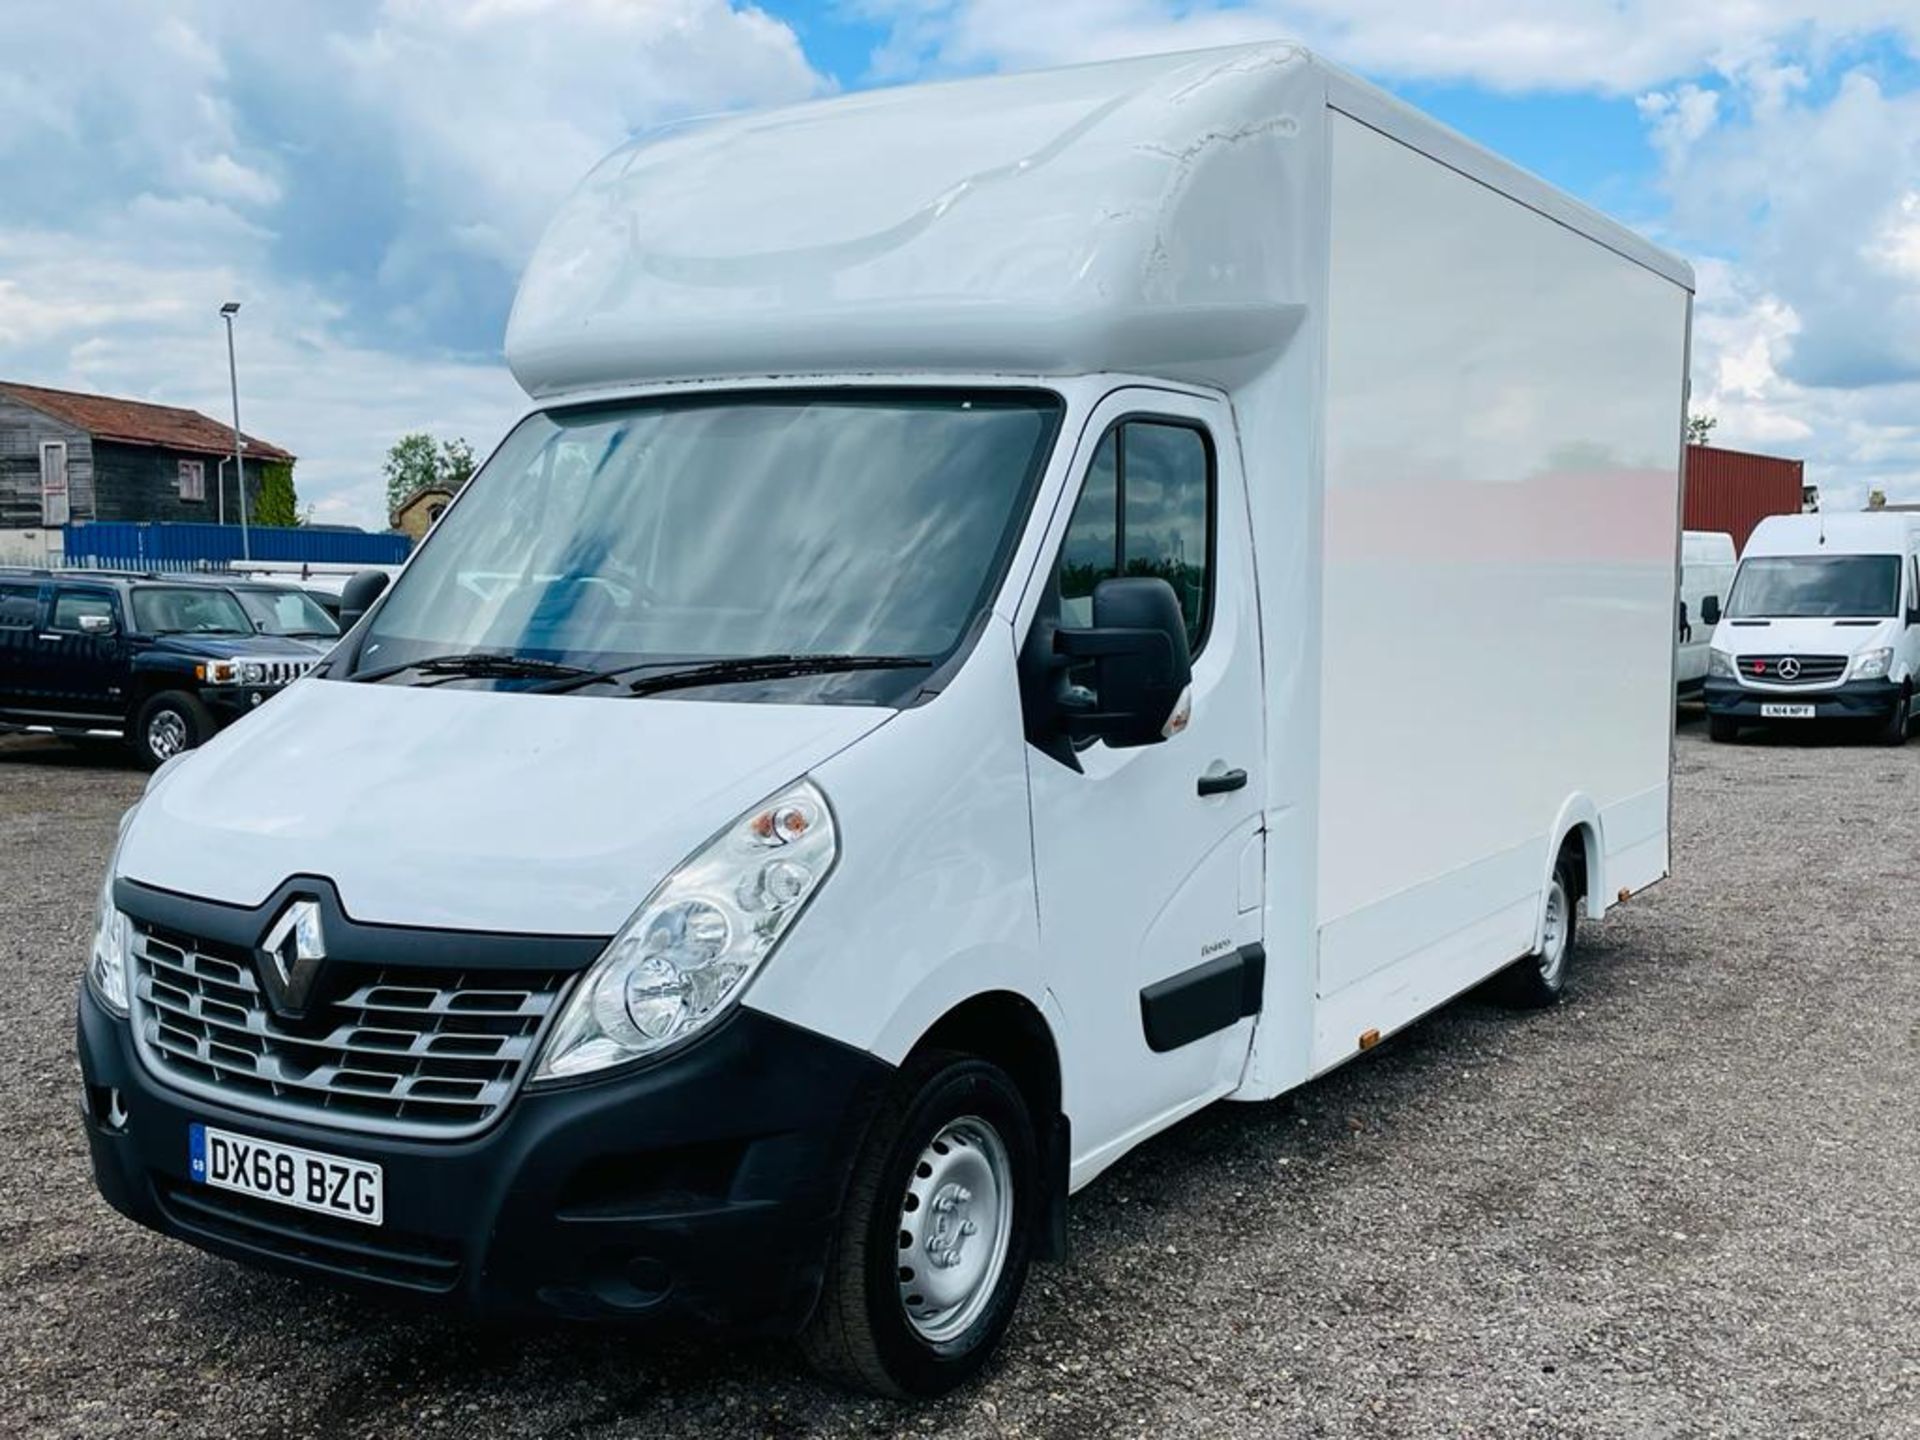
[
  {"x": 477, "y": 665},
  {"x": 737, "y": 670}
]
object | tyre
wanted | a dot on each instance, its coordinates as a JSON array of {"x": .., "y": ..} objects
[
  {"x": 1536, "y": 981},
  {"x": 1893, "y": 730},
  {"x": 1722, "y": 729},
  {"x": 935, "y": 1236},
  {"x": 169, "y": 723}
]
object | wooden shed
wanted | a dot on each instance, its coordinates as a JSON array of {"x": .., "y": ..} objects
[{"x": 67, "y": 457}]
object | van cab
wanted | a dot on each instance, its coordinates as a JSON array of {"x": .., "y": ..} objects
[
  {"x": 160, "y": 661},
  {"x": 993, "y": 635},
  {"x": 1823, "y": 622}
]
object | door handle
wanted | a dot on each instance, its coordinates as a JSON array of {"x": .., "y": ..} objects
[{"x": 1223, "y": 782}]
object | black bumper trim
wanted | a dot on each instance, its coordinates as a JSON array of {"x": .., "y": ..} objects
[
  {"x": 1856, "y": 699},
  {"x": 702, "y": 1189},
  {"x": 1205, "y": 1000}
]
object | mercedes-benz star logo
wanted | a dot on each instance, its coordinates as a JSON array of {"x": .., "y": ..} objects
[
  {"x": 291, "y": 955},
  {"x": 1788, "y": 669}
]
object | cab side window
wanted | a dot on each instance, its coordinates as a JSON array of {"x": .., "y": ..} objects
[
  {"x": 71, "y": 606},
  {"x": 19, "y": 607},
  {"x": 1146, "y": 509}
]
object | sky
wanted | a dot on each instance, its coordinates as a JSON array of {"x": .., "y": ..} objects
[{"x": 367, "y": 178}]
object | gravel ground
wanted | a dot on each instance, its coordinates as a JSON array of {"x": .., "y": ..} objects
[{"x": 1680, "y": 1204}]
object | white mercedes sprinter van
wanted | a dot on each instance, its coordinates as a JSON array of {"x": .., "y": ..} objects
[
  {"x": 1706, "y": 572},
  {"x": 997, "y": 631},
  {"x": 1823, "y": 622}
]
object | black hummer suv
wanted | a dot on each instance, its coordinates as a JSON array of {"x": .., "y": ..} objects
[{"x": 162, "y": 661}]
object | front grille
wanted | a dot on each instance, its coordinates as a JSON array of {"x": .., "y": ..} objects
[
  {"x": 398, "y": 1051},
  {"x": 275, "y": 672},
  {"x": 1813, "y": 669},
  {"x": 337, "y": 1246}
]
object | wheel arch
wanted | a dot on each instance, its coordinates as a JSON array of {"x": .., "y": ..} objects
[
  {"x": 1578, "y": 825},
  {"x": 1008, "y": 1029}
]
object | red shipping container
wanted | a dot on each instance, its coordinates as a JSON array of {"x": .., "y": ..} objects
[{"x": 1732, "y": 491}]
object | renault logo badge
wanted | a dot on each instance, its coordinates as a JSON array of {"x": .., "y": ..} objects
[{"x": 291, "y": 956}]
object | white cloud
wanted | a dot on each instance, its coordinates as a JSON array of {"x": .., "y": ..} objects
[
  {"x": 367, "y": 178},
  {"x": 1614, "y": 46},
  {"x": 1854, "y": 440},
  {"x": 1817, "y": 199}
]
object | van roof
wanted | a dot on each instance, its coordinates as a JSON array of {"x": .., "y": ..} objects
[
  {"x": 1131, "y": 215},
  {"x": 1849, "y": 534}
]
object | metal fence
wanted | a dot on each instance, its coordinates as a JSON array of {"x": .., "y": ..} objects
[{"x": 129, "y": 545}]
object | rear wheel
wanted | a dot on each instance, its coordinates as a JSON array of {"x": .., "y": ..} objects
[
  {"x": 936, "y": 1233},
  {"x": 1893, "y": 731},
  {"x": 1722, "y": 729},
  {"x": 1538, "y": 980},
  {"x": 168, "y": 724}
]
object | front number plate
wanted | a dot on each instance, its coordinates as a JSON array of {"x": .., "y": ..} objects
[
  {"x": 286, "y": 1174},
  {"x": 1786, "y": 712}
]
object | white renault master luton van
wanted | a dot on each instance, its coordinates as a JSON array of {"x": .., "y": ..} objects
[
  {"x": 1823, "y": 622},
  {"x": 1706, "y": 573},
  {"x": 996, "y": 633}
]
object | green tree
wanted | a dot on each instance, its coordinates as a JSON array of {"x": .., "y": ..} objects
[
  {"x": 1700, "y": 428},
  {"x": 416, "y": 460},
  {"x": 276, "y": 503},
  {"x": 456, "y": 463},
  {"x": 413, "y": 461}
]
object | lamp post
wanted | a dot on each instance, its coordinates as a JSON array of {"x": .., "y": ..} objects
[{"x": 227, "y": 312}]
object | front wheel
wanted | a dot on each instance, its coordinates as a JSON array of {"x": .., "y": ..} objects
[
  {"x": 1894, "y": 730},
  {"x": 936, "y": 1233},
  {"x": 1722, "y": 729},
  {"x": 169, "y": 723}
]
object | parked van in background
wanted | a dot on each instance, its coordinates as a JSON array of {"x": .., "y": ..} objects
[
  {"x": 1823, "y": 622},
  {"x": 996, "y": 634},
  {"x": 1706, "y": 572}
]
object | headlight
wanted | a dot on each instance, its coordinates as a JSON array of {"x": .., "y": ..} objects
[
  {"x": 1720, "y": 663},
  {"x": 107, "y": 966},
  {"x": 1871, "y": 664},
  {"x": 253, "y": 673},
  {"x": 222, "y": 672},
  {"x": 690, "y": 950}
]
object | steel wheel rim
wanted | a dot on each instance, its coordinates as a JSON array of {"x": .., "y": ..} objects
[
  {"x": 167, "y": 734},
  {"x": 956, "y": 1226},
  {"x": 1553, "y": 935}
]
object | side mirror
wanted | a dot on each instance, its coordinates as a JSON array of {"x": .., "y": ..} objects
[
  {"x": 1710, "y": 609},
  {"x": 96, "y": 625},
  {"x": 1138, "y": 644},
  {"x": 357, "y": 597}
]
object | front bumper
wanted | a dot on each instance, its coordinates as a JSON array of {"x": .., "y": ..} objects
[
  {"x": 1856, "y": 699},
  {"x": 702, "y": 1188},
  {"x": 229, "y": 702}
]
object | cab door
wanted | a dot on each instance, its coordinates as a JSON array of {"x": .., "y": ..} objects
[{"x": 1149, "y": 860}]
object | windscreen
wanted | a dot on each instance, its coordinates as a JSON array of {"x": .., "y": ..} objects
[
  {"x": 1812, "y": 587},
  {"x": 287, "y": 612},
  {"x": 794, "y": 522},
  {"x": 188, "y": 610}
]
